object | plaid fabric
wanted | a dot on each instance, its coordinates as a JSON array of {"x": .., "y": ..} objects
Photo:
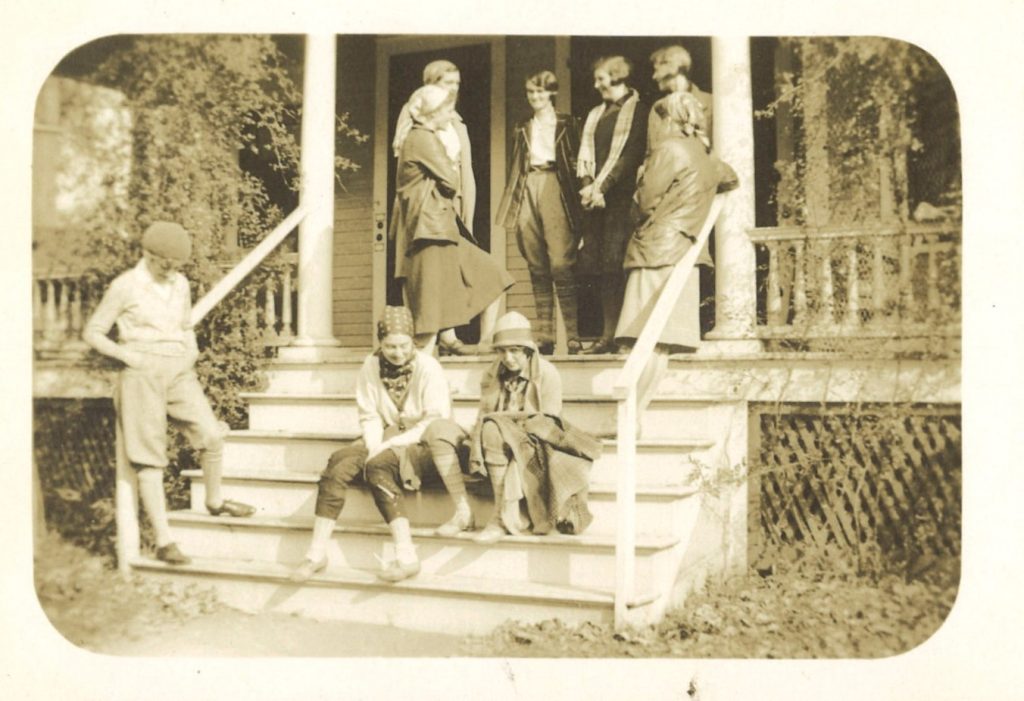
[
  {"x": 550, "y": 469},
  {"x": 586, "y": 164}
]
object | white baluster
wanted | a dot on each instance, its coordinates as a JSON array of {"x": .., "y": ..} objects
[
  {"x": 269, "y": 309},
  {"x": 76, "y": 310},
  {"x": 852, "y": 286},
  {"x": 37, "y": 307},
  {"x": 877, "y": 282},
  {"x": 827, "y": 289},
  {"x": 906, "y": 286},
  {"x": 799, "y": 284},
  {"x": 51, "y": 331},
  {"x": 774, "y": 298},
  {"x": 286, "y": 303},
  {"x": 62, "y": 310},
  {"x": 933, "y": 277}
]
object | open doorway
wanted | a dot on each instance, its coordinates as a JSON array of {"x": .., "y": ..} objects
[{"x": 405, "y": 74}]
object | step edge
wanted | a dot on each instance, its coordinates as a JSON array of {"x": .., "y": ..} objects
[
  {"x": 422, "y": 583},
  {"x": 254, "y": 434},
  {"x": 313, "y": 397},
  {"x": 296, "y": 477},
  {"x": 644, "y": 542}
]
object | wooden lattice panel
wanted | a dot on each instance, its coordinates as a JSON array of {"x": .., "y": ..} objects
[{"x": 844, "y": 477}]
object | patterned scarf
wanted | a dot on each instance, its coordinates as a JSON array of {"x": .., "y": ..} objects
[
  {"x": 395, "y": 378},
  {"x": 513, "y": 390},
  {"x": 586, "y": 164}
]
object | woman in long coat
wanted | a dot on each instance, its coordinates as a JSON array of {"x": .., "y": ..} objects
[
  {"x": 680, "y": 179},
  {"x": 447, "y": 279}
]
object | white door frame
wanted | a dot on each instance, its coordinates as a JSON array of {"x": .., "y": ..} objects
[{"x": 398, "y": 45}]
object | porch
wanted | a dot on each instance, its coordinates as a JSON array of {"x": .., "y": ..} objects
[{"x": 804, "y": 328}]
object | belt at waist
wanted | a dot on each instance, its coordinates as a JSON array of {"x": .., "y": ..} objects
[
  {"x": 168, "y": 348},
  {"x": 542, "y": 168}
]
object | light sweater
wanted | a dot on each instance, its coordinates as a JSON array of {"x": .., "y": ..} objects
[{"x": 428, "y": 398}]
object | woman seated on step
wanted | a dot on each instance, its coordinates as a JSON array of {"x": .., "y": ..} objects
[
  {"x": 673, "y": 197},
  {"x": 400, "y": 391},
  {"x": 538, "y": 465}
]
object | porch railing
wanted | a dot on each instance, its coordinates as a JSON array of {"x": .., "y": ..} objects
[
  {"x": 62, "y": 301},
  {"x": 899, "y": 281},
  {"x": 625, "y": 391}
]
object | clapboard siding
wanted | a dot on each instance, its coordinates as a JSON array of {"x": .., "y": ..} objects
[{"x": 353, "y": 213}]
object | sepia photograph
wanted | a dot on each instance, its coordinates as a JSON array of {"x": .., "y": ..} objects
[{"x": 497, "y": 346}]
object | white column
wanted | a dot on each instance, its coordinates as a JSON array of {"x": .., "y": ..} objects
[
  {"x": 735, "y": 285},
  {"x": 316, "y": 232}
]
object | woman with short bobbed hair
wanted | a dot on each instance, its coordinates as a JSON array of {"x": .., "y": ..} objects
[
  {"x": 447, "y": 279},
  {"x": 611, "y": 149},
  {"x": 542, "y": 206}
]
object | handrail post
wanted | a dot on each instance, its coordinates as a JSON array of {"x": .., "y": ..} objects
[{"x": 625, "y": 507}]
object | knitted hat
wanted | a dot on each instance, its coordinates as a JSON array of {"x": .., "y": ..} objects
[
  {"x": 395, "y": 320},
  {"x": 167, "y": 240},
  {"x": 513, "y": 329}
]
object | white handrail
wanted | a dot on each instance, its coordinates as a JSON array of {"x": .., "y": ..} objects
[
  {"x": 245, "y": 266},
  {"x": 625, "y": 390}
]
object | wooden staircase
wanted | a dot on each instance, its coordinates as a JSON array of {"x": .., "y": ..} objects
[{"x": 308, "y": 410}]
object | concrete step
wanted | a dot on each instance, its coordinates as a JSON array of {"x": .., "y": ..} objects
[
  {"x": 440, "y": 603},
  {"x": 666, "y": 417},
  {"x": 580, "y": 374},
  {"x": 572, "y": 561},
  {"x": 659, "y": 462},
  {"x": 687, "y": 374},
  {"x": 659, "y": 510}
]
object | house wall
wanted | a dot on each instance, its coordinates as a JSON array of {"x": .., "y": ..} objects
[{"x": 353, "y": 210}]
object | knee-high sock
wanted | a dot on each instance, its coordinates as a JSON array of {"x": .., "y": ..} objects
[
  {"x": 544, "y": 303},
  {"x": 151, "y": 492},
  {"x": 212, "y": 462},
  {"x": 447, "y": 463},
  {"x": 400, "y": 532},
  {"x": 497, "y": 473},
  {"x": 323, "y": 528},
  {"x": 568, "y": 296}
]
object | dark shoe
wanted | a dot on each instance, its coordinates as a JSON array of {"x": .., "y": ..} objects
[
  {"x": 546, "y": 347},
  {"x": 574, "y": 347},
  {"x": 232, "y": 508},
  {"x": 307, "y": 569},
  {"x": 171, "y": 555},
  {"x": 397, "y": 571},
  {"x": 601, "y": 347},
  {"x": 455, "y": 348}
]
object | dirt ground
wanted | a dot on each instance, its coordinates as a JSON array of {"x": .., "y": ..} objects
[
  {"x": 781, "y": 616},
  {"x": 93, "y": 607}
]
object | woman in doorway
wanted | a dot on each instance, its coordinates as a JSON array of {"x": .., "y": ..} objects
[
  {"x": 611, "y": 149},
  {"x": 541, "y": 203},
  {"x": 447, "y": 279},
  {"x": 680, "y": 179}
]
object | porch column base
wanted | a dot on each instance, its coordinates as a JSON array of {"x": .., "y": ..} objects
[
  {"x": 315, "y": 350},
  {"x": 715, "y": 345}
]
